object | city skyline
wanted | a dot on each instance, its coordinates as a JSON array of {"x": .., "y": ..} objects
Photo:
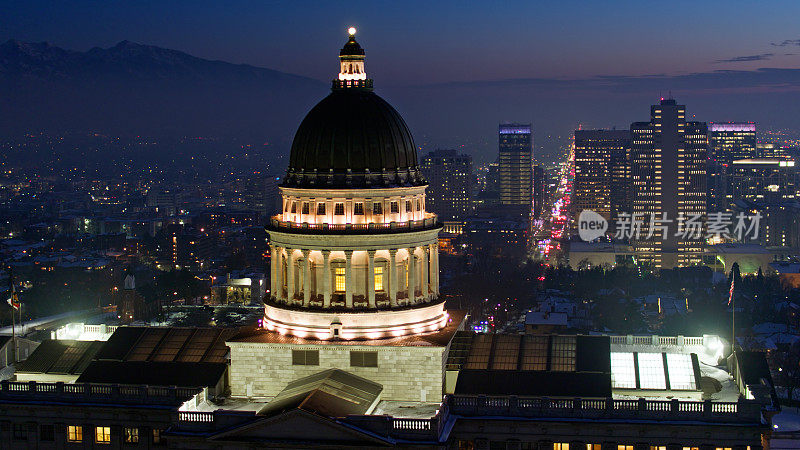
[{"x": 204, "y": 254}]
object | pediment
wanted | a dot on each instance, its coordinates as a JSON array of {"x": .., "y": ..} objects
[{"x": 298, "y": 426}]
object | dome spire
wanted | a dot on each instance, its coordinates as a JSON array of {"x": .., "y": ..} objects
[{"x": 351, "y": 65}]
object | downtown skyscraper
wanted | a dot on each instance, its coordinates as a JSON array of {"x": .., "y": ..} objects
[
  {"x": 668, "y": 183},
  {"x": 516, "y": 167},
  {"x": 449, "y": 177},
  {"x": 728, "y": 142},
  {"x": 602, "y": 172}
]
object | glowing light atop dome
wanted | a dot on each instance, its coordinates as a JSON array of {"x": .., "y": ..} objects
[{"x": 352, "y": 31}]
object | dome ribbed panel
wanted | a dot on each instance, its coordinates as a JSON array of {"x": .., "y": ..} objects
[{"x": 353, "y": 138}]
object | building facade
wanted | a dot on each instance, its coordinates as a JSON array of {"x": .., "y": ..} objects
[
  {"x": 449, "y": 176},
  {"x": 668, "y": 184},
  {"x": 516, "y": 166},
  {"x": 601, "y": 172}
]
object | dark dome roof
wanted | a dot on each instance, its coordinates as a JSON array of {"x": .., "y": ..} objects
[
  {"x": 353, "y": 138},
  {"x": 351, "y": 48}
]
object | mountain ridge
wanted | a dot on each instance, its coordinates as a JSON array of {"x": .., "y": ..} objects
[{"x": 144, "y": 89}]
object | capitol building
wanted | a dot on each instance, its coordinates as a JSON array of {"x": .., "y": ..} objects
[
  {"x": 356, "y": 349},
  {"x": 355, "y": 256}
]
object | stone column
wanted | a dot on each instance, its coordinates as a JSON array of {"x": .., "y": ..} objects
[
  {"x": 326, "y": 278},
  {"x": 371, "y": 278},
  {"x": 306, "y": 277},
  {"x": 423, "y": 286},
  {"x": 435, "y": 268},
  {"x": 273, "y": 270},
  {"x": 279, "y": 282},
  {"x": 348, "y": 296},
  {"x": 289, "y": 275},
  {"x": 412, "y": 276},
  {"x": 393, "y": 282}
]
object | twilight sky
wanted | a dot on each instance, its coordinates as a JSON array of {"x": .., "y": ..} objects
[
  {"x": 427, "y": 51},
  {"x": 414, "y": 42}
]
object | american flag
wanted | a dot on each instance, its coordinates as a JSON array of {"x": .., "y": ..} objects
[{"x": 730, "y": 296}]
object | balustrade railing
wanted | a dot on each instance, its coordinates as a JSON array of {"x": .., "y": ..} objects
[
  {"x": 741, "y": 411},
  {"x": 100, "y": 392},
  {"x": 454, "y": 406},
  {"x": 381, "y": 227}
]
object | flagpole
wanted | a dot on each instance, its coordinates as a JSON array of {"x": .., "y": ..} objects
[{"x": 13, "y": 327}]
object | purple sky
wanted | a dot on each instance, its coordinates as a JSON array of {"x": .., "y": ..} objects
[
  {"x": 416, "y": 42},
  {"x": 447, "y": 65}
]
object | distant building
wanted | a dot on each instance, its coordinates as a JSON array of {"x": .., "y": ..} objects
[
  {"x": 601, "y": 172},
  {"x": 731, "y": 141},
  {"x": 761, "y": 180},
  {"x": 495, "y": 236},
  {"x": 585, "y": 255},
  {"x": 779, "y": 224},
  {"x": 248, "y": 290},
  {"x": 516, "y": 166},
  {"x": 449, "y": 177},
  {"x": 132, "y": 306},
  {"x": 537, "y": 322},
  {"x": 164, "y": 201},
  {"x": 773, "y": 150},
  {"x": 668, "y": 180}
]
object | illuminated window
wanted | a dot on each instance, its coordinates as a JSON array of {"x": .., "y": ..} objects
[
  {"x": 131, "y": 435},
  {"x": 593, "y": 447},
  {"x": 363, "y": 359},
  {"x": 651, "y": 371},
  {"x": 320, "y": 209},
  {"x": 305, "y": 208},
  {"x": 377, "y": 208},
  {"x": 562, "y": 357},
  {"x": 340, "y": 283},
  {"x": 358, "y": 209},
  {"x": 534, "y": 352},
  {"x": 681, "y": 372},
  {"x": 623, "y": 372},
  {"x": 156, "y": 436},
  {"x": 338, "y": 209},
  {"x": 378, "y": 279},
  {"x": 560, "y": 446},
  {"x": 102, "y": 435},
  {"x": 624, "y": 447},
  {"x": 395, "y": 207},
  {"x": 658, "y": 447},
  {"x": 74, "y": 433},
  {"x": 305, "y": 357}
]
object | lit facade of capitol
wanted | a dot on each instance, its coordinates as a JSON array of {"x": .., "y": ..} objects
[{"x": 354, "y": 252}]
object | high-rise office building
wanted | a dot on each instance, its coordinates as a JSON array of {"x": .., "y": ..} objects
[
  {"x": 761, "y": 180},
  {"x": 449, "y": 177},
  {"x": 601, "y": 172},
  {"x": 516, "y": 166},
  {"x": 772, "y": 150},
  {"x": 728, "y": 142},
  {"x": 668, "y": 181}
]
